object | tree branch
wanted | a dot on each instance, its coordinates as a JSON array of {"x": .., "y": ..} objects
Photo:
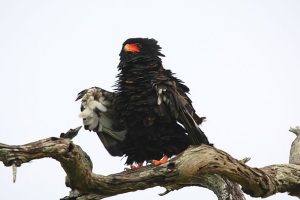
[
  {"x": 295, "y": 148},
  {"x": 203, "y": 166}
]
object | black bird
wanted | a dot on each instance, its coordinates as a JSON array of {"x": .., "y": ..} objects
[
  {"x": 97, "y": 112},
  {"x": 153, "y": 105}
]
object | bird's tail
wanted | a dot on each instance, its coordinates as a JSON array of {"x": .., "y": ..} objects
[{"x": 196, "y": 135}]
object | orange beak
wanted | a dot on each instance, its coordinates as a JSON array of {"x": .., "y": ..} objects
[{"x": 133, "y": 48}]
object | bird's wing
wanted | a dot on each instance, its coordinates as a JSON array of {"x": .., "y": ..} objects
[
  {"x": 97, "y": 114},
  {"x": 172, "y": 98}
]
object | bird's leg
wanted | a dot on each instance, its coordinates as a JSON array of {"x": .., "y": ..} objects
[{"x": 161, "y": 161}]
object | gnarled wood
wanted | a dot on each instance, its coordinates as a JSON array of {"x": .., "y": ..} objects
[
  {"x": 295, "y": 148},
  {"x": 203, "y": 166}
]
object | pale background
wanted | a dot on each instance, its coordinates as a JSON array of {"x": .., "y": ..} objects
[{"x": 240, "y": 59}]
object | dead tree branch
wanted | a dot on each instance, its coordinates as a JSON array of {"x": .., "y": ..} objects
[{"x": 203, "y": 166}]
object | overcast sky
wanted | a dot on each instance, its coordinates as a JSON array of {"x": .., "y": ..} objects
[{"x": 239, "y": 58}]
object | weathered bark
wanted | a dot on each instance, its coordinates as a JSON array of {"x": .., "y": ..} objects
[
  {"x": 203, "y": 166},
  {"x": 295, "y": 154},
  {"x": 295, "y": 148}
]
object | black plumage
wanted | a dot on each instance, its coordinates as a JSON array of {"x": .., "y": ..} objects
[{"x": 153, "y": 105}]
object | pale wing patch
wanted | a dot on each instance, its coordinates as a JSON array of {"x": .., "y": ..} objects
[
  {"x": 92, "y": 121},
  {"x": 93, "y": 108}
]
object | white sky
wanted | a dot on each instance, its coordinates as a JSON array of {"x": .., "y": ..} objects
[{"x": 240, "y": 59}]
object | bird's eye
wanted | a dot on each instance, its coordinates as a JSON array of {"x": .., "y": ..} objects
[{"x": 133, "y": 48}]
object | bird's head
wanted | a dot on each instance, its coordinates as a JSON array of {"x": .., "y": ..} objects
[{"x": 139, "y": 48}]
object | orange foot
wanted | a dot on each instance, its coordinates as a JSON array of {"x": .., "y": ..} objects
[{"x": 161, "y": 161}]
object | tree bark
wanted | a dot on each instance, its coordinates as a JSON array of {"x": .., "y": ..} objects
[{"x": 202, "y": 166}]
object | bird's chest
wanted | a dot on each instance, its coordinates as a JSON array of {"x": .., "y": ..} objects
[{"x": 139, "y": 101}]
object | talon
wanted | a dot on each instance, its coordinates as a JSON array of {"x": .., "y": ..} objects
[
  {"x": 161, "y": 161},
  {"x": 134, "y": 166}
]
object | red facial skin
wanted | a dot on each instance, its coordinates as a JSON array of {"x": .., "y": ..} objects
[{"x": 133, "y": 48}]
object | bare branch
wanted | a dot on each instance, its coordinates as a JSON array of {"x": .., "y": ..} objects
[
  {"x": 295, "y": 130},
  {"x": 295, "y": 148},
  {"x": 295, "y": 154},
  {"x": 203, "y": 166}
]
